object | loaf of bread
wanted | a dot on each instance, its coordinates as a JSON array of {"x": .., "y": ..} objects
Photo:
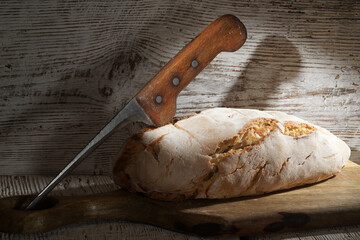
[{"x": 224, "y": 152}]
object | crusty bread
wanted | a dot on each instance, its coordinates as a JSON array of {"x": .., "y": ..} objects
[{"x": 224, "y": 152}]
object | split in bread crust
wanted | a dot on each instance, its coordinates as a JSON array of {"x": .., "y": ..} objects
[{"x": 256, "y": 131}]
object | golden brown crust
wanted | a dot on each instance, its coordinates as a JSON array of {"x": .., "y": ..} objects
[
  {"x": 295, "y": 129},
  {"x": 255, "y": 131}
]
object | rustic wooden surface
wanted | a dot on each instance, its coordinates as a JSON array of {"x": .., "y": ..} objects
[
  {"x": 331, "y": 203},
  {"x": 67, "y": 67},
  {"x": 87, "y": 185}
]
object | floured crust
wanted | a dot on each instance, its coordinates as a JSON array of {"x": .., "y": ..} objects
[{"x": 224, "y": 152}]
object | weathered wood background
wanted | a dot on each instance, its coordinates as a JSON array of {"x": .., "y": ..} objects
[{"x": 67, "y": 67}]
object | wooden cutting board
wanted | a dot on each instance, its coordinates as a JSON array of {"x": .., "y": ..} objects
[{"x": 334, "y": 202}]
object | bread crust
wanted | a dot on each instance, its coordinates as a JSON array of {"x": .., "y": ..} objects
[{"x": 224, "y": 152}]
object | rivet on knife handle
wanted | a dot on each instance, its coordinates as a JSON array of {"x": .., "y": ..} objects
[{"x": 158, "y": 98}]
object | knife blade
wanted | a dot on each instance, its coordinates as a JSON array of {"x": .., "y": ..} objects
[{"x": 155, "y": 103}]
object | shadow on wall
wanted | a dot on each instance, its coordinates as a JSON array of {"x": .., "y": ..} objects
[{"x": 275, "y": 60}]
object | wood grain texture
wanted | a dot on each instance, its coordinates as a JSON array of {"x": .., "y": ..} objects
[
  {"x": 86, "y": 185},
  {"x": 67, "y": 67},
  {"x": 331, "y": 203}
]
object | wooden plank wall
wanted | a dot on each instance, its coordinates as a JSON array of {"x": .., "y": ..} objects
[{"x": 67, "y": 67}]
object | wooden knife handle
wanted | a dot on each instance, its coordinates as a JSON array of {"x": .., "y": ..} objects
[{"x": 158, "y": 97}]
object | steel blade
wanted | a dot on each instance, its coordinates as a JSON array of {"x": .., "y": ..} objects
[{"x": 130, "y": 113}]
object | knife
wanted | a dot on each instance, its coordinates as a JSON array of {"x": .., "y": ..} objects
[{"x": 155, "y": 103}]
